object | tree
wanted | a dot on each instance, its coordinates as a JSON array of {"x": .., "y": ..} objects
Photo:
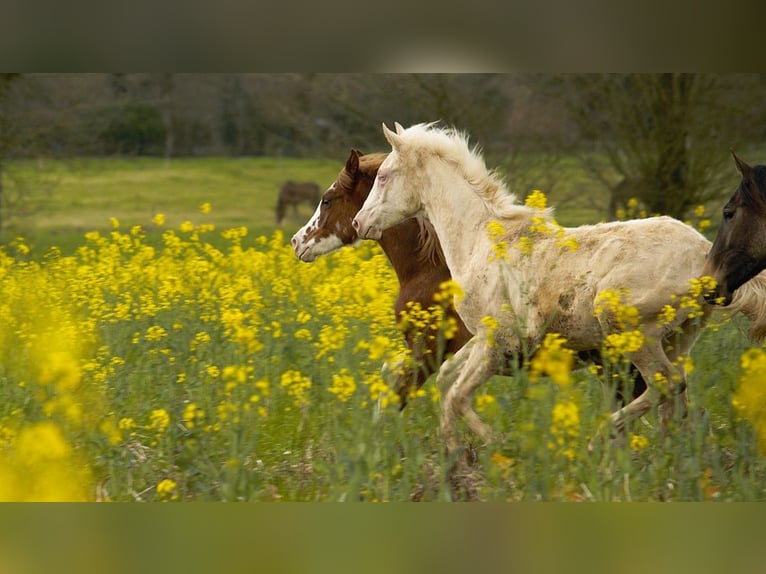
[{"x": 661, "y": 138}]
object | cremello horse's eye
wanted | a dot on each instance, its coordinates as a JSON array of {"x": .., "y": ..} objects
[{"x": 382, "y": 177}]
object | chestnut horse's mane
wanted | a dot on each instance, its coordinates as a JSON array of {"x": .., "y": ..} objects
[{"x": 429, "y": 248}]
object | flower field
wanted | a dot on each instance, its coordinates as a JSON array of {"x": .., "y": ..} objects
[{"x": 203, "y": 364}]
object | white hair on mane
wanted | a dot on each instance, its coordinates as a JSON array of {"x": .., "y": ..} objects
[{"x": 451, "y": 145}]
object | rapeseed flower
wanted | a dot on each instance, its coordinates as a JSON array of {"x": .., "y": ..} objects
[
  {"x": 159, "y": 420},
  {"x": 166, "y": 489},
  {"x": 553, "y": 360},
  {"x": 343, "y": 385},
  {"x": 749, "y": 400}
]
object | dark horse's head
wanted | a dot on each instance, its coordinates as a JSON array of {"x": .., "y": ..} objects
[{"x": 739, "y": 249}]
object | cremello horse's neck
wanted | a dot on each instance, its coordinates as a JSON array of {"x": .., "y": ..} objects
[{"x": 460, "y": 218}]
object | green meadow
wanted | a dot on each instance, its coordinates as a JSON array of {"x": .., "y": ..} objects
[
  {"x": 192, "y": 357},
  {"x": 68, "y": 198}
]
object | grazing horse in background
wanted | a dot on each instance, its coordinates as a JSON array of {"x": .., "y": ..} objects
[
  {"x": 294, "y": 193},
  {"x": 532, "y": 277},
  {"x": 739, "y": 249},
  {"x": 415, "y": 255}
]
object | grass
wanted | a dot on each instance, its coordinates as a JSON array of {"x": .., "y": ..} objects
[
  {"x": 69, "y": 198},
  {"x": 194, "y": 362}
]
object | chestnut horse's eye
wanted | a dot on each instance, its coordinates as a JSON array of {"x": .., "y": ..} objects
[{"x": 326, "y": 202}]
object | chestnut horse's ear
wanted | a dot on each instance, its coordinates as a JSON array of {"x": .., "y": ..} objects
[
  {"x": 392, "y": 137},
  {"x": 398, "y": 127},
  {"x": 352, "y": 163},
  {"x": 742, "y": 167}
]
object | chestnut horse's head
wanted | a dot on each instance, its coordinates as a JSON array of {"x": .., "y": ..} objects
[
  {"x": 739, "y": 249},
  {"x": 330, "y": 226}
]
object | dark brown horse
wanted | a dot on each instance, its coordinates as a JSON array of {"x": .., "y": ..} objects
[
  {"x": 412, "y": 248},
  {"x": 294, "y": 193},
  {"x": 739, "y": 250},
  {"x": 415, "y": 254}
]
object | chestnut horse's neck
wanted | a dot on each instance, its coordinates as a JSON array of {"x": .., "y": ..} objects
[{"x": 403, "y": 245}]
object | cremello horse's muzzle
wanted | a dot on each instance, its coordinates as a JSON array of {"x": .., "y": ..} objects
[{"x": 363, "y": 228}]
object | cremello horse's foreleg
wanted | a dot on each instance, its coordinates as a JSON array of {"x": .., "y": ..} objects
[
  {"x": 468, "y": 369},
  {"x": 663, "y": 382}
]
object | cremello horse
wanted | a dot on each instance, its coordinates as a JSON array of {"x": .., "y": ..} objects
[{"x": 515, "y": 265}]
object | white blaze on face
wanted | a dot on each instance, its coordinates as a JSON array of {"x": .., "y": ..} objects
[
  {"x": 299, "y": 238},
  {"x": 308, "y": 243}
]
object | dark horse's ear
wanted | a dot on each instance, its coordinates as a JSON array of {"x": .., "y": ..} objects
[
  {"x": 742, "y": 167},
  {"x": 352, "y": 163}
]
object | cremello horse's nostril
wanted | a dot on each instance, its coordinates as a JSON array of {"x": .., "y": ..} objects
[{"x": 355, "y": 225}]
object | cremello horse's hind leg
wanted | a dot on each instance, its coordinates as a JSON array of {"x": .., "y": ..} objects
[{"x": 469, "y": 368}]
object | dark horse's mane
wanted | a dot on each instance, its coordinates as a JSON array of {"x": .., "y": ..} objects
[{"x": 429, "y": 248}]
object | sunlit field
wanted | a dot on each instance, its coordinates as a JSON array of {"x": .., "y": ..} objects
[{"x": 171, "y": 357}]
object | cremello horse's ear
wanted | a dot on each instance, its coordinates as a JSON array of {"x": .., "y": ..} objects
[
  {"x": 393, "y": 138},
  {"x": 398, "y": 127}
]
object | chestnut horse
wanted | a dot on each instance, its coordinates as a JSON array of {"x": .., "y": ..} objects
[
  {"x": 294, "y": 193},
  {"x": 417, "y": 259},
  {"x": 739, "y": 249},
  {"x": 415, "y": 255},
  {"x": 532, "y": 277}
]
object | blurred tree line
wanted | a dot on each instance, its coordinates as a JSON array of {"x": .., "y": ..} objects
[{"x": 663, "y": 138}]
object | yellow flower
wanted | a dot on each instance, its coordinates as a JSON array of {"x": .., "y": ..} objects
[
  {"x": 126, "y": 423},
  {"x": 537, "y": 200},
  {"x": 449, "y": 290},
  {"x": 621, "y": 344},
  {"x": 343, "y": 385},
  {"x": 297, "y": 386},
  {"x": 159, "y": 219},
  {"x": 565, "y": 429},
  {"x": 205, "y": 208},
  {"x": 159, "y": 420},
  {"x": 490, "y": 325},
  {"x": 192, "y": 415},
  {"x": 638, "y": 442},
  {"x": 166, "y": 489},
  {"x": 554, "y": 360},
  {"x": 496, "y": 233},
  {"x": 155, "y": 333},
  {"x": 525, "y": 245},
  {"x": 749, "y": 400},
  {"x": 667, "y": 315},
  {"x": 486, "y": 403},
  {"x": 380, "y": 392}
]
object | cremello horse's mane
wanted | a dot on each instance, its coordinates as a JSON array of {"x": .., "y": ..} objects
[{"x": 451, "y": 145}]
